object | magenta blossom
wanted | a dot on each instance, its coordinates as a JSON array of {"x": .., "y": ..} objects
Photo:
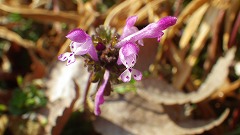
[
  {"x": 125, "y": 50},
  {"x": 127, "y": 56},
  {"x": 81, "y": 44},
  {"x": 99, "y": 98},
  {"x": 126, "y": 75},
  {"x": 130, "y": 28},
  {"x": 153, "y": 30}
]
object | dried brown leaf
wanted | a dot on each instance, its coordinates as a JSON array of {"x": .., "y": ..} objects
[
  {"x": 62, "y": 93},
  {"x": 177, "y": 113},
  {"x": 133, "y": 115},
  {"x": 61, "y": 121},
  {"x": 158, "y": 91}
]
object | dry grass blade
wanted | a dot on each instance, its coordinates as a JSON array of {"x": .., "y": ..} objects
[
  {"x": 142, "y": 8},
  {"x": 14, "y": 37},
  {"x": 191, "y": 28},
  {"x": 148, "y": 11},
  {"x": 38, "y": 3},
  {"x": 233, "y": 39},
  {"x": 188, "y": 10},
  {"x": 3, "y": 123},
  {"x": 227, "y": 90},
  {"x": 64, "y": 47},
  {"x": 213, "y": 46},
  {"x": 230, "y": 16},
  {"x": 42, "y": 15},
  {"x": 158, "y": 91},
  {"x": 116, "y": 12},
  {"x": 136, "y": 116},
  {"x": 174, "y": 55},
  {"x": 204, "y": 29}
]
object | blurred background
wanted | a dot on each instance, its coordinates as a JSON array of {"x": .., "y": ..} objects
[{"x": 191, "y": 79}]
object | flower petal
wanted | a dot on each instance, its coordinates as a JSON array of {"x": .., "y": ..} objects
[
  {"x": 84, "y": 48},
  {"x": 71, "y": 59},
  {"x": 92, "y": 52},
  {"x": 153, "y": 30},
  {"x": 128, "y": 31},
  {"x": 129, "y": 49},
  {"x": 119, "y": 62},
  {"x": 137, "y": 75},
  {"x": 77, "y": 35},
  {"x": 127, "y": 55},
  {"x": 129, "y": 61},
  {"x": 129, "y": 27},
  {"x": 75, "y": 45},
  {"x": 81, "y": 48},
  {"x": 131, "y": 21},
  {"x": 126, "y": 75},
  {"x": 64, "y": 56},
  {"x": 166, "y": 22},
  {"x": 140, "y": 42},
  {"x": 99, "y": 98}
]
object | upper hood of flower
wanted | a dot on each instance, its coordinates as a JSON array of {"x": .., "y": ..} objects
[
  {"x": 153, "y": 30},
  {"x": 77, "y": 35}
]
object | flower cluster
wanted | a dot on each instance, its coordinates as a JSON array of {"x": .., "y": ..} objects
[{"x": 111, "y": 57}]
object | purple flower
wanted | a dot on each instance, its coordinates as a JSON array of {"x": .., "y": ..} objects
[
  {"x": 153, "y": 30},
  {"x": 99, "y": 98},
  {"x": 130, "y": 28},
  {"x": 126, "y": 75},
  {"x": 81, "y": 44},
  {"x": 127, "y": 56}
]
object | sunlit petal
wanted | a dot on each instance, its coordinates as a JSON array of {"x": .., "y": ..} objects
[
  {"x": 137, "y": 75},
  {"x": 99, "y": 98},
  {"x": 153, "y": 30},
  {"x": 64, "y": 56},
  {"x": 77, "y": 35},
  {"x": 71, "y": 59},
  {"x": 126, "y": 76}
]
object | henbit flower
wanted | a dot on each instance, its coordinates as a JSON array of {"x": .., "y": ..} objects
[
  {"x": 127, "y": 56},
  {"x": 99, "y": 98},
  {"x": 81, "y": 43},
  {"x": 126, "y": 75},
  {"x": 129, "y": 28},
  {"x": 153, "y": 30}
]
